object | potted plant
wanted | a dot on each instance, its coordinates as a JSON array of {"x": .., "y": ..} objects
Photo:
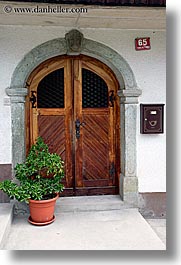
[{"x": 37, "y": 182}]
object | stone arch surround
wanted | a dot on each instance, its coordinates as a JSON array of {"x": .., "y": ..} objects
[{"x": 128, "y": 94}]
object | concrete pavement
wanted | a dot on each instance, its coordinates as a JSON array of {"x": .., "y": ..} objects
[
  {"x": 6, "y": 217},
  {"x": 159, "y": 226},
  {"x": 87, "y": 227}
]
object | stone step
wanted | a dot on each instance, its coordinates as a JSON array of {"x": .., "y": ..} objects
[
  {"x": 6, "y": 217},
  {"x": 90, "y": 203},
  {"x": 123, "y": 229}
]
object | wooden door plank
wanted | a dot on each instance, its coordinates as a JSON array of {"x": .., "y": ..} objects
[
  {"x": 111, "y": 145},
  {"x": 35, "y": 125},
  {"x": 99, "y": 70},
  {"x": 117, "y": 141},
  {"x": 94, "y": 111},
  {"x": 68, "y": 123},
  {"x": 43, "y": 70},
  {"x": 51, "y": 111},
  {"x": 78, "y": 116}
]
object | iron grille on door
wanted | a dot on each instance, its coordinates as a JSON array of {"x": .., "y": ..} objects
[
  {"x": 50, "y": 91},
  {"x": 94, "y": 90}
]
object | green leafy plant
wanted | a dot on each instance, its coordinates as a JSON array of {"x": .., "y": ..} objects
[{"x": 39, "y": 177}]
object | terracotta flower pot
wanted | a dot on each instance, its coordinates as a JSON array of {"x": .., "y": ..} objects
[{"x": 42, "y": 212}]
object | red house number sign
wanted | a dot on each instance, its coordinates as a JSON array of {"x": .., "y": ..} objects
[{"x": 142, "y": 44}]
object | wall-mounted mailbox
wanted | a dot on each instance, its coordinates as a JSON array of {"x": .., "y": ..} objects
[{"x": 151, "y": 118}]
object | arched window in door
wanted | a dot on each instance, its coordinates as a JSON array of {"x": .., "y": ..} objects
[
  {"x": 94, "y": 90},
  {"x": 50, "y": 91}
]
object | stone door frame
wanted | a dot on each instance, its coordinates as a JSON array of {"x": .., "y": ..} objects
[{"x": 74, "y": 43}]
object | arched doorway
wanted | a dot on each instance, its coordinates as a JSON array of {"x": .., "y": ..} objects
[
  {"x": 75, "y": 44},
  {"x": 73, "y": 104}
]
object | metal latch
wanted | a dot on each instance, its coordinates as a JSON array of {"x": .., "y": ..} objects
[{"x": 77, "y": 127}]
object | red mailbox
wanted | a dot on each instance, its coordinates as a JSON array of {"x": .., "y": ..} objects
[{"x": 151, "y": 118}]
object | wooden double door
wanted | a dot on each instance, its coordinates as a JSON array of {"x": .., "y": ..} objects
[{"x": 73, "y": 105}]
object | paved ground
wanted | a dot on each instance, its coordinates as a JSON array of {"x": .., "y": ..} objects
[
  {"x": 83, "y": 223},
  {"x": 101, "y": 230},
  {"x": 159, "y": 226}
]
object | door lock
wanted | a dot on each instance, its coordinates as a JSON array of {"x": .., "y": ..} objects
[{"x": 77, "y": 127}]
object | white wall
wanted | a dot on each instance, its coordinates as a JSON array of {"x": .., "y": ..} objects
[{"x": 149, "y": 70}]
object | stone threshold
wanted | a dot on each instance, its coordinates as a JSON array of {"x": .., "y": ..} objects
[
  {"x": 6, "y": 218},
  {"x": 90, "y": 203}
]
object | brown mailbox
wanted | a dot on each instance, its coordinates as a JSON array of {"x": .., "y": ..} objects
[{"x": 151, "y": 118}]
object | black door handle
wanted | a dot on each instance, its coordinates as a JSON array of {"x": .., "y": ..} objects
[{"x": 77, "y": 127}]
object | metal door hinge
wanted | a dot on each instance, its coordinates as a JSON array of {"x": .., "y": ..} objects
[
  {"x": 33, "y": 99},
  {"x": 112, "y": 170},
  {"x": 112, "y": 98}
]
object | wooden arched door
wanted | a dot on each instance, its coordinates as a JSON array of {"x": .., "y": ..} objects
[{"x": 73, "y": 105}]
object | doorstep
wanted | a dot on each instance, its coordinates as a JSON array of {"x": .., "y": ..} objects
[
  {"x": 6, "y": 218},
  {"x": 90, "y": 203}
]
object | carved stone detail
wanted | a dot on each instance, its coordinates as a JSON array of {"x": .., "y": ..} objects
[{"x": 74, "y": 40}]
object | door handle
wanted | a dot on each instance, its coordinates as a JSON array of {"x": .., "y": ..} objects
[{"x": 77, "y": 127}]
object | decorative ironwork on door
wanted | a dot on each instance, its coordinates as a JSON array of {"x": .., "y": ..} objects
[
  {"x": 50, "y": 91},
  {"x": 94, "y": 90}
]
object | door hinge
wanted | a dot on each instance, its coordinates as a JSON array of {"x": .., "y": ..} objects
[
  {"x": 112, "y": 98},
  {"x": 33, "y": 99},
  {"x": 112, "y": 170}
]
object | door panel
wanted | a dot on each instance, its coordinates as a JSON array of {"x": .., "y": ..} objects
[
  {"x": 84, "y": 90},
  {"x": 52, "y": 130},
  {"x": 95, "y": 154}
]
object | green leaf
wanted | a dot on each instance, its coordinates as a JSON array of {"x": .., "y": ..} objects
[{"x": 31, "y": 175}]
